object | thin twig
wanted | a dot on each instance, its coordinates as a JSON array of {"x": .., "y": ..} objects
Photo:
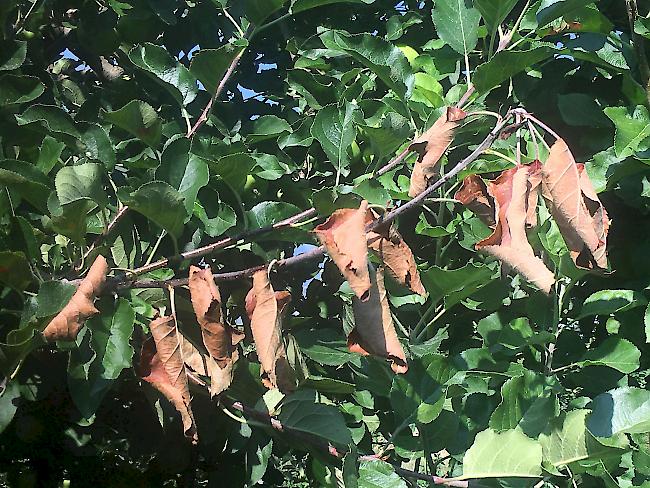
[{"x": 107, "y": 230}]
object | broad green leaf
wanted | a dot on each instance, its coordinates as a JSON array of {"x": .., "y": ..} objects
[
  {"x": 81, "y": 182},
  {"x": 70, "y": 220},
  {"x": 175, "y": 77},
  {"x": 454, "y": 285},
  {"x": 581, "y": 110},
  {"x": 606, "y": 302},
  {"x": 398, "y": 24},
  {"x": 233, "y": 169},
  {"x": 269, "y": 167},
  {"x": 139, "y": 119},
  {"x": 49, "y": 154},
  {"x": 27, "y": 180},
  {"x": 14, "y": 270},
  {"x": 210, "y": 65},
  {"x": 12, "y": 54},
  {"x": 567, "y": 440},
  {"x": 622, "y": 410},
  {"x": 183, "y": 170},
  {"x": 19, "y": 89},
  {"x": 257, "y": 11},
  {"x": 616, "y": 353},
  {"x": 494, "y": 12},
  {"x": 602, "y": 169},
  {"x": 9, "y": 400},
  {"x": 302, "y": 412},
  {"x": 51, "y": 118},
  {"x": 378, "y": 474},
  {"x": 456, "y": 23},
  {"x": 216, "y": 216},
  {"x": 382, "y": 58},
  {"x": 160, "y": 203},
  {"x": 335, "y": 129},
  {"x": 508, "y": 454},
  {"x": 506, "y": 64},
  {"x": 267, "y": 127},
  {"x": 110, "y": 339},
  {"x": 265, "y": 214},
  {"x": 549, "y": 10},
  {"x": 258, "y": 452},
  {"x": 302, "y": 5},
  {"x": 631, "y": 129},
  {"x": 52, "y": 297},
  {"x": 325, "y": 346}
]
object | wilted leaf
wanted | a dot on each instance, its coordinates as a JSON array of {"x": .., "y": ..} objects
[
  {"x": 508, "y": 242},
  {"x": 163, "y": 366},
  {"x": 219, "y": 338},
  {"x": 580, "y": 215},
  {"x": 65, "y": 326},
  {"x": 265, "y": 309},
  {"x": 344, "y": 237},
  {"x": 374, "y": 332},
  {"x": 474, "y": 195},
  {"x": 430, "y": 147}
]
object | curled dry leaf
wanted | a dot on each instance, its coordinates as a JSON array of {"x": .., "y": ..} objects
[
  {"x": 344, "y": 236},
  {"x": 265, "y": 309},
  {"x": 580, "y": 215},
  {"x": 171, "y": 378},
  {"x": 508, "y": 242},
  {"x": 374, "y": 331},
  {"x": 65, "y": 326},
  {"x": 474, "y": 195},
  {"x": 430, "y": 147},
  {"x": 219, "y": 338},
  {"x": 389, "y": 246}
]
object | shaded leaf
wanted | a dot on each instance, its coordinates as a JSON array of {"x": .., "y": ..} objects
[
  {"x": 379, "y": 474},
  {"x": 494, "y": 12},
  {"x": 81, "y": 182},
  {"x": 28, "y": 180},
  {"x": 12, "y": 54},
  {"x": 15, "y": 271},
  {"x": 631, "y": 129},
  {"x": 19, "y": 89},
  {"x": 622, "y": 410},
  {"x": 302, "y": 5},
  {"x": 257, "y": 11},
  {"x": 139, "y": 119},
  {"x": 9, "y": 399},
  {"x": 161, "y": 204},
  {"x": 210, "y": 65},
  {"x": 549, "y": 10},
  {"x": 616, "y": 353}
]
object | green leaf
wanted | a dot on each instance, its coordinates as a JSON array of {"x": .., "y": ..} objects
[
  {"x": 14, "y": 270},
  {"x": 549, "y": 10},
  {"x": 302, "y": 5},
  {"x": 19, "y": 89},
  {"x": 325, "y": 346},
  {"x": 382, "y": 58},
  {"x": 567, "y": 440},
  {"x": 494, "y": 12},
  {"x": 233, "y": 169},
  {"x": 216, "y": 216},
  {"x": 27, "y": 180},
  {"x": 52, "y": 297},
  {"x": 258, "y": 452},
  {"x": 456, "y": 23},
  {"x": 606, "y": 302},
  {"x": 646, "y": 323},
  {"x": 506, "y": 64},
  {"x": 301, "y": 411},
  {"x": 9, "y": 404},
  {"x": 183, "y": 170},
  {"x": 622, "y": 410},
  {"x": 139, "y": 119},
  {"x": 454, "y": 285},
  {"x": 257, "y": 11},
  {"x": 81, "y": 182},
  {"x": 267, "y": 127},
  {"x": 616, "y": 353},
  {"x": 111, "y": 335},
  {"x": 12, "y": 54},
  {"x": 160, "y": 203},
  {"x": 269, "y": 167},
  {"x": 265, "y": 214},
  {"x": 210, "y": 65},
  {"x": 157, "y": 62},
  {"x": 378, "y": 474},
  {"x": 631, "y": 130},
  {"x": 335, "y": 129},
  {"x": 50, "y": 117},
  {"x": 499, "y": 455},
  {"x": 581, "y": 110}
]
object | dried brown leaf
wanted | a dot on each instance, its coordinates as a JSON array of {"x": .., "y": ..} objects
[
  {"x": 475, "y": 196},
  {"x": 344, "y": 236},
  {"x": 374, "y": 331},
  {"x": 65, "y": 326},
  {"x": 174, "y": 384},
  {"x": 431, "y": 146},
  {"x": 508, "y": 242},
  {"x": 576, "y": 208},
  {"x": 265, "y": 309},
  {"x": 534, "y": 186}
]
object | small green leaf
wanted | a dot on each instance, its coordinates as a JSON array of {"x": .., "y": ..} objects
[
  {"x": 631, "y": 129},
  {"x": 157, "y": 62},
  {"x": 494, "y": 12},
  {"x": 378, "y": 474},
  {"x": 111, "y": 335},
  {"x": 457, "y": 23},
  {"x": 325, "y": 346},
  {"x": 9, "y": 404},
  {"x": 454, "y": 285},
  {"x": 216, "y": 216},
  {"x": 81, "y": 182},
  {"x": 269, "y": 167},
  {"x": 139, "y": 119},
  {"x": 12, "y": 54},
  {"x": 19, "y": 89},
  {"x": 160, "y": 203},
  {"x": 335, "y": 129},
  {"x": 606, "y": 302},
  {"x": 52, "y": 297},
  {"x": 616, "y": 353},
  {"x": 506, "y": 64},
  {"x": 210, "y": 65},
  {"x": 14, "y": 270},
  {"x": 267, "y": 127},
  {"x": 622, "y": 410},
  {"x": 501, "y": 455}
]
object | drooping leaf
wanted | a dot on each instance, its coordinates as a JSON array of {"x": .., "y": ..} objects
[
  {"x": 509, "y": 242},
  {"x": 344, "y": 237},
  {"x": 210, "y": 65},
  {"x": 549, "y": 10},
  {"x": 335, "y": 129},
  {"x": 499, "y": 455},
  {"x": 65, "y": 326},
  {"x": 374, "y": 332},
  {"x": 457, "y": 23},
  {"x": 218, "y": 337},
  {"x": 265, "y": 308},
  {"x": 175, "y": 77},
  {"x": 139, "y": 119},
  {"x": 110, "y": 339},
  {"x": 161, "y": 204},
  {"x": 474, "y": 195},
  {"x": 622, "y": 410},
  {"x": 430, "y": 147},
  {"x": 580, "y": 215}
]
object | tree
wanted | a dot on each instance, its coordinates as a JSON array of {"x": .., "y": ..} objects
[{"x": 324, "y": 242}]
